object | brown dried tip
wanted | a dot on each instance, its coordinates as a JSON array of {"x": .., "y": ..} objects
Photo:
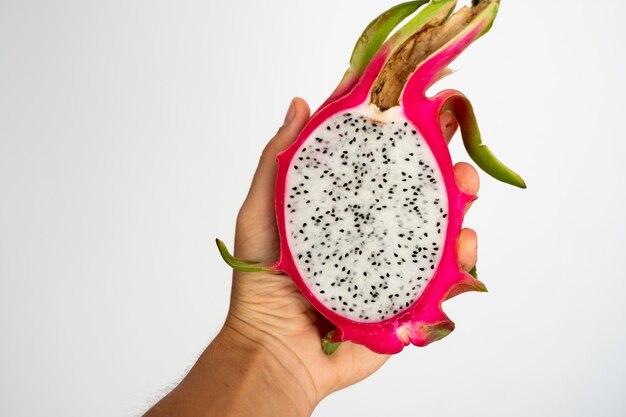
[{"x": 403, "y": 62}]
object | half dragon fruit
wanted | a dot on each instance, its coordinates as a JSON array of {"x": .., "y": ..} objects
[{"x": 367, "y": 206}]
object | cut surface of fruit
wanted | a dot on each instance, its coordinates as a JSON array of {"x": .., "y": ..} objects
[{"x": 366, "y": 207}]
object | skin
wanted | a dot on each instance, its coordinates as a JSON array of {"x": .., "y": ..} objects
[{"x": 267, "y": 360}]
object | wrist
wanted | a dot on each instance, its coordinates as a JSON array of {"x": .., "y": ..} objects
[
  {"x": 269, "y": 369},
  {"x": 243, "y": 372}
]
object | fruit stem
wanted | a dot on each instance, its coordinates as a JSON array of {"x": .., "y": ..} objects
[
  {"x": 241, "y": 264},
  {"x": 434, "y": 14},
  {"x": 439, "y": 34},
  {"x": 377, "y": 31},
  {"x": 405, "y": 52},
  {"x": 370, "y": 42}
]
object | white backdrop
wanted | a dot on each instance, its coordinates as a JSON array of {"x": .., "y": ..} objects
[{"x": 129, "y": 131}]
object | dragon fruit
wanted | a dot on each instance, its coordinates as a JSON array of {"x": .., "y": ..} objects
[{"x": 367, "y": 207}]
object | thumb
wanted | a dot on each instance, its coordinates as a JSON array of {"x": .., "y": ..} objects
[{"x": 261, "y": 194}]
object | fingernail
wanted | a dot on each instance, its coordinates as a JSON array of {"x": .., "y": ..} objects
[{"x": 291, "y": 113}]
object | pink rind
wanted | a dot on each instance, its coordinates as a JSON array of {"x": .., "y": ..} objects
[{"x": 424, "y": 321}]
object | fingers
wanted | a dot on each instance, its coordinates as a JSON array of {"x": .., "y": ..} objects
[
  {"x": 468, "y": 249},
  {"x": 449, "y": 125},
  {"x": 261, "y": 194},
  {"x": 353, "y": 363},
  {"x": 466, "y": 177}
]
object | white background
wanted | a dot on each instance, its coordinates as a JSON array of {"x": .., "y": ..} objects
[{"x": 129, "y": 132}]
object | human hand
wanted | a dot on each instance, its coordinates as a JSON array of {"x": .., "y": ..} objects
[
  {"x": 267, "y": 360},
  {"x": 271, "y": 306}
]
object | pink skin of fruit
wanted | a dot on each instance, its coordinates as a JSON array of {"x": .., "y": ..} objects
[{"x": 424, "y": 321}]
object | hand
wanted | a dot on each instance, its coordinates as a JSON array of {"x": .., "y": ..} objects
[
  {"x": 269, "y": 318},
  {"x": 273, "y": 304}
]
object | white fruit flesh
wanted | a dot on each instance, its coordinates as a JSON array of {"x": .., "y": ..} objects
[{"x": 366, "y": 211}]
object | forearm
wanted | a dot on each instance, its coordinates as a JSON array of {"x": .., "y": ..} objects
[{"x": 236, "y": 376}]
